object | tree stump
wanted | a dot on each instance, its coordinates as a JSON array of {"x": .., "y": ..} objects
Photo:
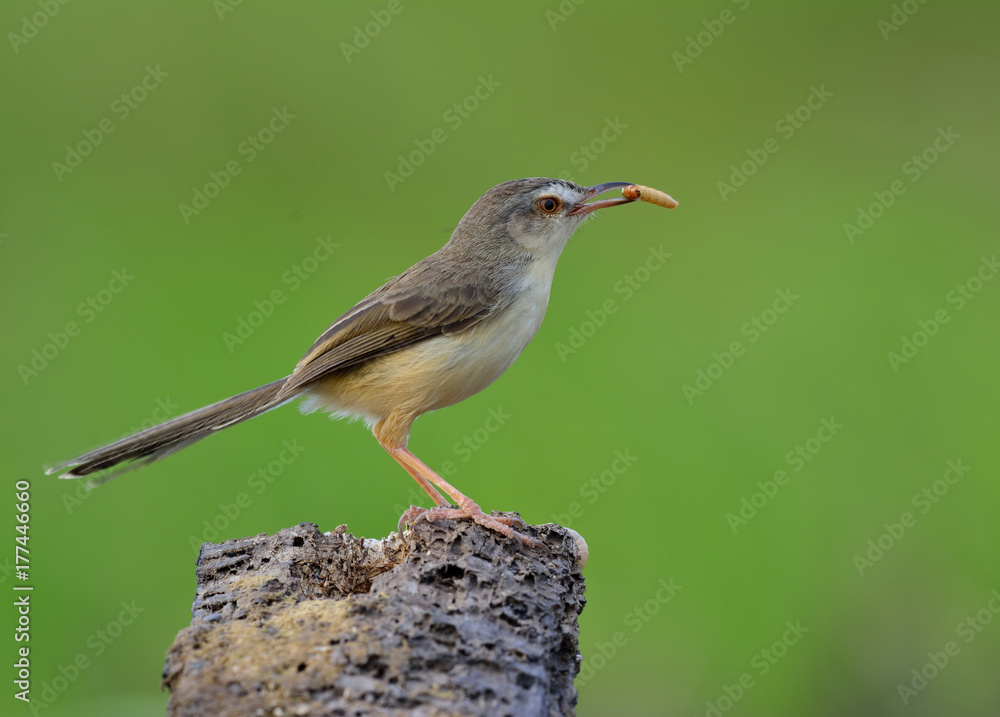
[{"x": 452, "y": 620}]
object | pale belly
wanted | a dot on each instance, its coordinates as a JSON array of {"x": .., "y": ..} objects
[{"x": 438, "y": 372}]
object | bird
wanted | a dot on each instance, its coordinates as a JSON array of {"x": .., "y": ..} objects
[{"x": 440, "y": 332}]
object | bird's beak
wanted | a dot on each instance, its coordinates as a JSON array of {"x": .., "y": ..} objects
[{"x": 588, "y": 207}]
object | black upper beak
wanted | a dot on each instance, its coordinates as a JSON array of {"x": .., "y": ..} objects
[{"x": 588, "y": 207}]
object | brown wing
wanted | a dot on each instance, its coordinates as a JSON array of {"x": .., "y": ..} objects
[{"x": 399, "y": 314}]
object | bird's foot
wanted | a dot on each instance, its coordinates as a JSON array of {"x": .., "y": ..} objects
[{"x": 468, "y": 510}]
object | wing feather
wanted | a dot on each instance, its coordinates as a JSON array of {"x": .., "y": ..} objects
[{"x": 398, "y": 315}]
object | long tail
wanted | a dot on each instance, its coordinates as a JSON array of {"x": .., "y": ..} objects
[{"x": 159, "y": 441}]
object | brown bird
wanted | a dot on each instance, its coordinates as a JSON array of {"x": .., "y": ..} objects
[{"x": 441, "y": 331}]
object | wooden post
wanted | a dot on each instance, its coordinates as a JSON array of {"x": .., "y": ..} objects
[{"x": 453, "y": 620}]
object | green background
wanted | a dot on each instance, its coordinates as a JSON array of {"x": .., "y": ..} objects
[{"x": 564, "y": 71}]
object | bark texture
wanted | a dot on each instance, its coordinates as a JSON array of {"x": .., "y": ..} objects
[{"x": 451, "y": 620}]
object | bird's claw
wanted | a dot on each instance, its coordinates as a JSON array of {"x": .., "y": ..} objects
[{"x": 503, "y": 524}]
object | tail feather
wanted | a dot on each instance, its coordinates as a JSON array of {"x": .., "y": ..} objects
[{"x": 160, "y": 441}]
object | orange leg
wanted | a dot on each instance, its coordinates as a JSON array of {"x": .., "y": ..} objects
[
  {"x": 417, "y": 475},
  {"x": 467, "y": 508},
  {"x": 392, "y": 433}
]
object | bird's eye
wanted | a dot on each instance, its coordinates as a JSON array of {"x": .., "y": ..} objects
[{"x": 549, "y": 205}]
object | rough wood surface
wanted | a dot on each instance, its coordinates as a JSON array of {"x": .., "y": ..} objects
[{"x": 454, "y": 620}]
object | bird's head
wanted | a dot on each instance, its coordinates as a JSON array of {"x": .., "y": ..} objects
[{"x": 537, "y": 215}]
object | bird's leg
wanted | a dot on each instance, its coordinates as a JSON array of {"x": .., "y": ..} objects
[
  {"x": 438, "y": 499},
  {"x": 467, "y": 508},
  {"x": 413, "y": 511},
  {"x": 391, "y": 435},
  {"x": 395, "y": 430}
]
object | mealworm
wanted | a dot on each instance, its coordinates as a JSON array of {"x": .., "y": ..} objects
[{"x": 648, "y": 194}]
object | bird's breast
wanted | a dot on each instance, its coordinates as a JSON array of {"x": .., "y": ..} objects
[
  {"x": 477, "y": 357},
  {"x": 443, "y": 370}
]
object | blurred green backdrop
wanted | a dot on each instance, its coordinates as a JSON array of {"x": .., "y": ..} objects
[{"x": 753, "y": 433}]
